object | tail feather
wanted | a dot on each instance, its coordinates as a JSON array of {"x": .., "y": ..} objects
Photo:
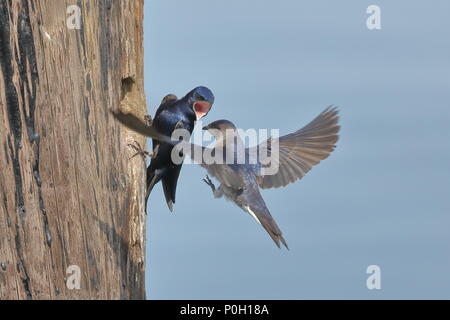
[
  {"x": 169, "y": 193},
  {"x": 169, "y": 182},
  {"x": 276, "y": 237},
  {"x": 263, "y": 216},
  {"x": 152, "y": 179}
]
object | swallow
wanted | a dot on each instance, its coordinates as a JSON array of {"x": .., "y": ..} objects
[
  {"x": 298, "y": 153},
  {"x": 172, "y": 114},
  {"x": 241, "y": 181}
]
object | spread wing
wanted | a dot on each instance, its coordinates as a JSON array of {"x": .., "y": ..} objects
[{"x": 299, "y": 151}]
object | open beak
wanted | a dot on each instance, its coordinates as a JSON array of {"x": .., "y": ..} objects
[{"x": 201, "y": 109}]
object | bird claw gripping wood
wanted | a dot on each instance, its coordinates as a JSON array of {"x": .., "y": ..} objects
[
  {"x": 148, "y": 120},
  {"x": 140, "y": 151}
]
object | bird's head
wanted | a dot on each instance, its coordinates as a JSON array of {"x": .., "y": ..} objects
[
  {"x": 221, "y": 125},
  {"x": 220, "y": 129},
  {"x": 201, "y": 100}
]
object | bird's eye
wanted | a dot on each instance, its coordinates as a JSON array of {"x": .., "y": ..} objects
[{"x": 200, "y": 98}]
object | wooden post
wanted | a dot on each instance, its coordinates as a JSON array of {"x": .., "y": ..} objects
[{"x": 71, "y": 195}]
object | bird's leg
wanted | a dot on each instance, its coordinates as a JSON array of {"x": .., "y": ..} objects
[
  {"x": 140, "y": 151},
  {"x": 148, "y": 120},
  {"x": 216, "y": 192},
  {"x": 208, "y": 181}
]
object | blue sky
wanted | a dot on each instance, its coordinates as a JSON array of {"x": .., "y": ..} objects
[{"x": 382, "y": 196}]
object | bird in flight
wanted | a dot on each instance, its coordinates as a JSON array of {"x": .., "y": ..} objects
[
  {"x": 240, "y": 181},
  {"x": 172, "y": 114}
]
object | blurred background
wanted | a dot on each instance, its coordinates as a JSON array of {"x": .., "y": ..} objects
[{"x": 382, "y": 198}]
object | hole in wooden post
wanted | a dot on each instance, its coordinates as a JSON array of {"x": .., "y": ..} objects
[{"x": 127, "y": 86}]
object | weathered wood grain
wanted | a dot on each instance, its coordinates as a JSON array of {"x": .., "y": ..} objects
[{"x": 70, "y": 194}]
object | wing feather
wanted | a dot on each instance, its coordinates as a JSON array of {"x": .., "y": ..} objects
[{"x": 301, "y": 150}]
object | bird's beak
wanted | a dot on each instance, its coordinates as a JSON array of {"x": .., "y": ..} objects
[
  {"x": 201, "y": 108},
  {"x": 205, "y": 128}
]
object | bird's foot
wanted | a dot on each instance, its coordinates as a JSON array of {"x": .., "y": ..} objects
[
  {"x": 148, "y": 120},
  {"x": 140, "y": 151},
  {"x": 210, "y": 183}
]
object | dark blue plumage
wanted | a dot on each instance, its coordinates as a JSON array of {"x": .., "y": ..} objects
[{"x": 174, "y": 114}]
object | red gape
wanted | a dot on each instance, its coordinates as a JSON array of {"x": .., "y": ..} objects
[{"x": 201, "y": 108}]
